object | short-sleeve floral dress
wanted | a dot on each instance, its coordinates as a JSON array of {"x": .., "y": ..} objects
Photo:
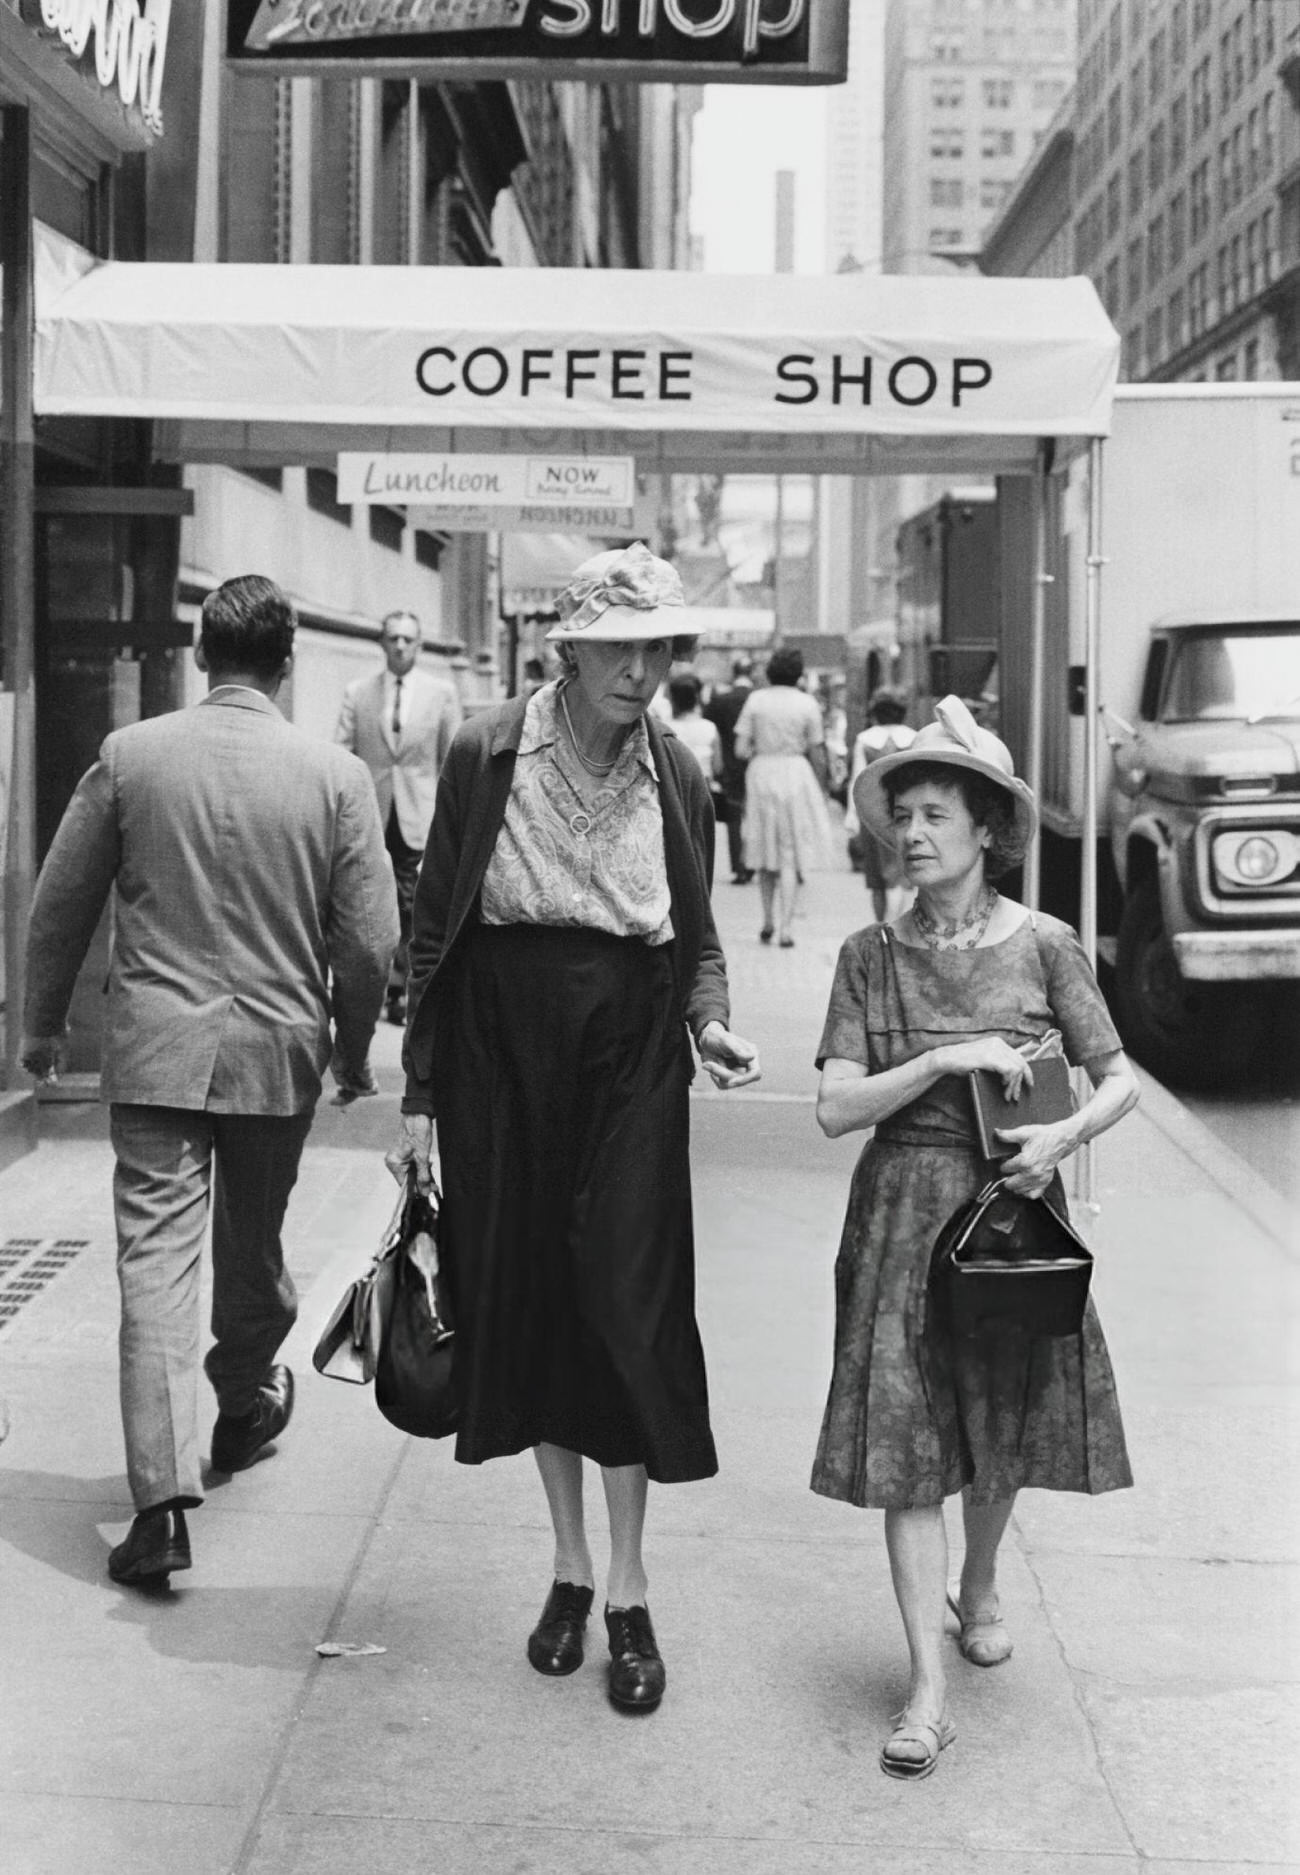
[{"x": 911, "y": 1419}]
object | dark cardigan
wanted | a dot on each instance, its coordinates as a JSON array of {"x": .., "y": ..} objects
[{"x": 472, "y": 794}]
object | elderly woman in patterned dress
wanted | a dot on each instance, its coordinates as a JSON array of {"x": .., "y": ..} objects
[
  {"x": 563, "y": 956},
  {"x": 966, "y": 979}
]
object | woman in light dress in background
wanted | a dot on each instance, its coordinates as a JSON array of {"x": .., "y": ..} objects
[{"x": 779, "y": 734}]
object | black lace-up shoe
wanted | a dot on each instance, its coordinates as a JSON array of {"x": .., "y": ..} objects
[
  {"x": 156, "y": 1544},
  {"x": 636, "y": 1670},
  {"x": 555, "y": 1644},
  {"x": 237, "y": 1438}
]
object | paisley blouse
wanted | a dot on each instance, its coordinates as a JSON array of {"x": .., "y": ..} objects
[{"x": 564, "y": 858}]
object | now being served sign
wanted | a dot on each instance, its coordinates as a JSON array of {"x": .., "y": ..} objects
[{"x": 455, "y": 481}]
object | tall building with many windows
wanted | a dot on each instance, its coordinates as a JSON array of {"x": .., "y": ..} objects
[
  {"x": 854, "y": 121},
  {"x": 969, "y": 85},
  {"x": 1187, "y": 182}
]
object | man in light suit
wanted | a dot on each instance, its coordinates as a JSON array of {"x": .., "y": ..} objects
[
  {"x": 252, "y": 903},
  {"x": 401, "y": 722}
]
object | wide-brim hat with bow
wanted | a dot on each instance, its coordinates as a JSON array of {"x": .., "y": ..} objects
[
  {"x": 953, "y": 740},
  {"x": 624, "y": 594}
]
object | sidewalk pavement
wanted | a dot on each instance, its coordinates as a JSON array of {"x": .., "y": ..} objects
[{"x": 1147, "y": 1719}]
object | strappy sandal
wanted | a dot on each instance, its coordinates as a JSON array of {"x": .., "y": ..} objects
[
  {"x": 932, "y": 1735},
  {"x": 990, "y": 1637}
]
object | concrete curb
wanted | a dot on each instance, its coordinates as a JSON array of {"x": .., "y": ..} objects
[{"x": 1228, "y": 1170}]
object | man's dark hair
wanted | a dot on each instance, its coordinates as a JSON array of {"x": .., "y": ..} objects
[
  {"x": 785, "y": 666},
  {"x": 248, "y": 625},
  {"x": 683, "y": 692}
]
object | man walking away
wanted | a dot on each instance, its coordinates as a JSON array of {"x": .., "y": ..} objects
[
  {"x": 252, "y": 901},
  {"x": 723, "y": 709},
  {"x": 401, "y": 722}
]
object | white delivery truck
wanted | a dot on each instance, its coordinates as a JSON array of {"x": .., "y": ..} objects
[{"x": 1200, "y": 691}]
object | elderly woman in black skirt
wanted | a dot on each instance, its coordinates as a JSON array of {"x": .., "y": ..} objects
[
  {"x": 965, "y": 980},
  {"x": 563, "y": 955}
]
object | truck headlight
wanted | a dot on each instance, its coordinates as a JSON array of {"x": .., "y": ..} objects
[
  {"x": 1254, "y": 859},
  {"x": 1257, "y": 859}
]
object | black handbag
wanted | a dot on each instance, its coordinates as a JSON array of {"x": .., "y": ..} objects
[
  {"x": 413, "y": 1371},
  {"x": 393, "y": 1324},
  {"x": 1007, "y": 1261}
]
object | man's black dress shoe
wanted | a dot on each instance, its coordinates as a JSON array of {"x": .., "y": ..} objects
[
  {"x": 555, "y": 1644},
  {"x": 238, "y": 1438},
  {"x": 636, "y": 1669},
  {"x": 395, "y": 1010},
  {"x": 155, "y": 1545}
]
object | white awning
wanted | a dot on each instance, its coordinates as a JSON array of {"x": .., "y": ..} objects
[
  {"x": 840, "y": 374},
  {"x": 535, "y": 567}
]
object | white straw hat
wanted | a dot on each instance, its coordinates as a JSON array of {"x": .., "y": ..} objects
[
  {"x": 627, "y": 593},
  {"x": 953, "y": 740}
]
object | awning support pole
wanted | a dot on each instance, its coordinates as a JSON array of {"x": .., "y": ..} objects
[
  {"x": 1037, "y": 635},
  {"x": 1091, "y": 715},
  {"x": 17, "y": 560}
]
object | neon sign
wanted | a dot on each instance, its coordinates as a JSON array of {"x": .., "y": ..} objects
[
  {"x": 129, "y": 40},
  {"x": 796, "y": 41}
]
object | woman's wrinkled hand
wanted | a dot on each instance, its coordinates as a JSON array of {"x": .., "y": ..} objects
[
  {"x": 727, "y": 1059},
  {"x": 992, "y": 1053},
  {"x": 413, "y": 1147},
  {"x": 1040, "y": 1150}
]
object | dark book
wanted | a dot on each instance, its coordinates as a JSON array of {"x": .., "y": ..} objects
[{"x": 1050, "y": 1098}]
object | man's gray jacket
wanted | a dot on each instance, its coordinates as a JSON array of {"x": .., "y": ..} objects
[{"x": 254, "y": 901}]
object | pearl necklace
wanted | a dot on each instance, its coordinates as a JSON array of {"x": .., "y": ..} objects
[
  {"x": 592, "y": 768},
  {"x": 952, "y": 937}
]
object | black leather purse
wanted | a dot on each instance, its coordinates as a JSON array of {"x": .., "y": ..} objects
[
  {"x": 393, "y": 1325},
  {"x": 1004, "y": 1261},
  {"x": 414, "y": 1386}
]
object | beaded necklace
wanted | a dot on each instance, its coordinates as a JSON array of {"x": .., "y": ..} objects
[{"x": 937, "y": 936}]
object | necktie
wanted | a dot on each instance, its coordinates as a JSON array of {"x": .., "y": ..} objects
[{"x": 397, "y": 709}]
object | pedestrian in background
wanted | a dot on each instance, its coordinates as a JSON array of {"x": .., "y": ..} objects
[
  {"x": 887, "y": 733},
  {"x": 401, "y": 722},
  {"x": 564, "y": 952},
  {"x": 723, "y": 710},
  {"x": 967, "y": 980},
  {"x": 251, "y": 900},
  {"x": 701, "y": 737},
  {"x": 835, "y": 728},
  {"x": 779, "y": 735}
]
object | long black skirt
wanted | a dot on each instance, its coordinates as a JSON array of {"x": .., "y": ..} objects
[{"x": 563, "y": 1128}]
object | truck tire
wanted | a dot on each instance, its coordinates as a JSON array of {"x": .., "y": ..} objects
[{"x": 1187, "y": 1034}]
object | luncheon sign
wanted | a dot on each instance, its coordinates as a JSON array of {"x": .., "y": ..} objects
[{"x": 568, "y": 484}]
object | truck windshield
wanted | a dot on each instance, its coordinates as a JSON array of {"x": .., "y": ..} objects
[{"x": 1228, "y": 676}]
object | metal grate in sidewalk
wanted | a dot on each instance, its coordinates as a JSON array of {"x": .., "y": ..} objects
[{"x": 27, "y": 1264}]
